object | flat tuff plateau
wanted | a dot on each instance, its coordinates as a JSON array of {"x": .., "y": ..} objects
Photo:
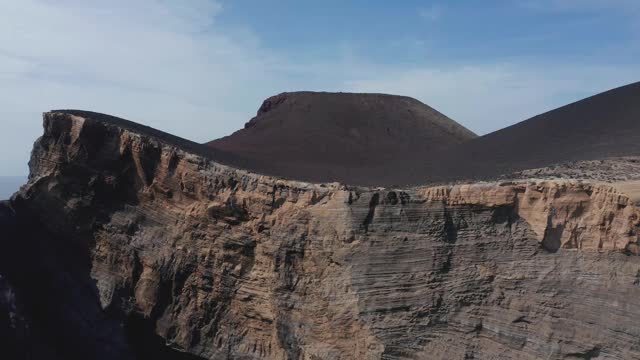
[{"x": 128, "y": 243}]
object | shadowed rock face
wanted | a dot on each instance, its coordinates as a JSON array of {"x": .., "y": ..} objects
[
  {"x": 365, "y": 139},
  {"x": 151, "y": 248}
]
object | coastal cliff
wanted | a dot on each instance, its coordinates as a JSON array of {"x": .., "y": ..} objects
[{"x": 146, "y": 244}]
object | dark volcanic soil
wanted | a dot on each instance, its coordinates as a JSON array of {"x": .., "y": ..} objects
[
  {"x": 383, "y": 140},
  {"x": 364, "y": 139},
  {"x": 602, "y": 126}
]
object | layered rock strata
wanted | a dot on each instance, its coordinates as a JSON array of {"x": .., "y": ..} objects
[{"x": 162, "y": 250}]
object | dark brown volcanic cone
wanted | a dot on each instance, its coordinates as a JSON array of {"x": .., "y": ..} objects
[
  {"x": 602, "y": 126},
  {"x": 364, "y": 139}
]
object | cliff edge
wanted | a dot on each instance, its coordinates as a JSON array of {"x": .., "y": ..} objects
[{"x": 146, "y": 248}]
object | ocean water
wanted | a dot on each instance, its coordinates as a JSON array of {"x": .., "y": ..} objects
[{"x": 10, "y": 184}]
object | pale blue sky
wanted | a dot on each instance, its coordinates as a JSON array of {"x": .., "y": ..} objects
[{"x": 199, "y": 69}]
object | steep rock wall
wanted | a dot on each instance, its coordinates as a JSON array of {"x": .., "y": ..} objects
[{"x": 195, "y": 258}]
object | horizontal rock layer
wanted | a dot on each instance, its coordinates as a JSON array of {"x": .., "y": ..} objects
[{"x": 187, "y": 258}]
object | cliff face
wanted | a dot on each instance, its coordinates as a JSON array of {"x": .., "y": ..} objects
[{"x": 169, "y": 253}]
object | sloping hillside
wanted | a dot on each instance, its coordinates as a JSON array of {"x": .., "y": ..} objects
[
  {"x": 366, "y": 139},
  {"x": 602, "y": 126}
]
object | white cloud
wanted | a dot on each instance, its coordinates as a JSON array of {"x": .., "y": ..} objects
[
  {"x": 158, "y": 62},
  {"x": 152, "y": 47}
]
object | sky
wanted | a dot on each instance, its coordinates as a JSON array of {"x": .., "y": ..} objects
[{"x": 200, "y": 69}]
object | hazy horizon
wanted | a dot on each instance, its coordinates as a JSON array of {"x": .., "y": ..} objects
[{"x": 10, "y": 184}]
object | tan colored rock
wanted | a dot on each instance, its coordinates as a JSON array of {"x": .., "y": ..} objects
[{"x": 223, "y": 263}]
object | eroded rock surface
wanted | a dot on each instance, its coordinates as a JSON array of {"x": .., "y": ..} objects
[
  {"x": 611, "y": 170},
  {"x": 187, "y": 258}
]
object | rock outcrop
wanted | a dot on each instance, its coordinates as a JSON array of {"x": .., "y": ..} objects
[{"x": 136, "y": 246}]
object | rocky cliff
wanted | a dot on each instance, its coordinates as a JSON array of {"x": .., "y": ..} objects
[{"x": 128, "y": 244}]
